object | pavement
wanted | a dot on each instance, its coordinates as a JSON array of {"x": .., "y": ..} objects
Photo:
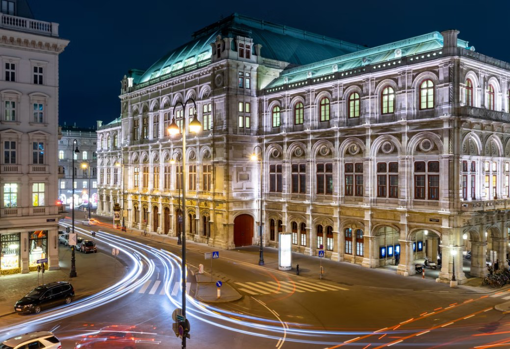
[
  {"x": 93, "y": 276},
  {"x": 95, "y": 272}
]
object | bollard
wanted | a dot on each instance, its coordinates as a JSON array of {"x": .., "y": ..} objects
[
  {"x": 423, "y": 273},
  {"x": 322, "y": 271},
  {"x": 297, "y": 269},
  {"x": 218, "y": 294},
  {"x": 200, "y": 268}
]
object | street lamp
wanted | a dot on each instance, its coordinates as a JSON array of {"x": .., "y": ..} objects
[
  {"x": 84, "y": 166},
  {"x": 255, "y": 157},
  {"x": 121, "y": 165},
  {"x": 194, "y": 126},
  {"x": 73, "y": 273}
]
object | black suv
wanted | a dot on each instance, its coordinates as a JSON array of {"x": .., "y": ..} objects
[{"x": 45, "y": 296}]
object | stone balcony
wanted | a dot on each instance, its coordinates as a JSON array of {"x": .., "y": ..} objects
[
  {"x": 28, "y": 25},
  {"x": 485, "y": 205}
]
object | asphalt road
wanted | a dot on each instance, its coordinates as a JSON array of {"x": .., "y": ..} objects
[{"x": 352, "y": 306}]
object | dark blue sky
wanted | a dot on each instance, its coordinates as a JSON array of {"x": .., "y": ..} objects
[{"x": 110, "y": 37}]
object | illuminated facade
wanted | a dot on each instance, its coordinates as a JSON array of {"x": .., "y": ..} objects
[
  {"x": 29, "y": 214},
  {"x": 85, "y": 187},
  {"x": 400, "y": 150}
]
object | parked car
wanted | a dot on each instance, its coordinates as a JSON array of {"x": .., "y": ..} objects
[
  {"x": 63, "y": 239},
  {"x": 110, "y": 337},
  {"x": 87, "y": 246},
  {"x": 41, "y": 339},
  {"x": 45, "y": 296},
  {"x": 90, "y": 221}
]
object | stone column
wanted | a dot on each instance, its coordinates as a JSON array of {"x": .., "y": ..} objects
[
  {"x": 370, "y": 246},
  {"x": 478, "y": 253},
  {"x": 406, "y": 266},
  {"x": 53, "y": 262},
  {"x": 24, "y": 249}
]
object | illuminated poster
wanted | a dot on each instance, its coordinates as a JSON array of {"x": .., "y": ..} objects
[
  {"x": 9, "y": 251},
  {"x": 285, "y": 252},
  {"x": 38, "y": 246}
]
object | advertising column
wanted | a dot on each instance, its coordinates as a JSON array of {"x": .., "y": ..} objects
[{"x": 285, "y": 252}]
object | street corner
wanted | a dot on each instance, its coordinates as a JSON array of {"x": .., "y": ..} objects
[{"x": 210, "y": 291}]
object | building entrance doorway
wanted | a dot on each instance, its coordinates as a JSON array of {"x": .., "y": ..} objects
[
  {"x": 243, "y": 230},
  {"x": 166, "y": 220}
]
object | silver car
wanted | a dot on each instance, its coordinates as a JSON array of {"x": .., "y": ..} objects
[{"x": 41, "y": 339}]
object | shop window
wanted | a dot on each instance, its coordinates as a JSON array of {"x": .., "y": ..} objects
[
  {"x": 10, "y": 247},
  {"x": 38, "y": 246}
]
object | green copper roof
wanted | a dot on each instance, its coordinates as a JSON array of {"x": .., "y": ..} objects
[
  {"x": 278, "y": 42},
  {"x": 380, "y": 54}
]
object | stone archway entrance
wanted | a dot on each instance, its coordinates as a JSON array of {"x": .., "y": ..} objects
[
  {"x": 155, "y": 218},
  {"x": 166, "y": 220},
  {"x": 243, "y": 230}
]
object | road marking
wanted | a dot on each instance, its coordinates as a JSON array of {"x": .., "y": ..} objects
[
  {"x": 331, "y": 287},
  {"x": 145, "y": 286},
  {"x": 252, "y": 288},
  {"x": 155, "y": 287},
  {"x": 247, "y": 291},
  {"x": 262, "y": 287},
  {"x": 467, "y": 317},
  {"x": 350, "y": 340},
  {"x": 389, "y": 345},
  {"x": 298, "y": 287},
  {"x": 285, "y": 288},
  {"x": 448, "y": 324},
  {"x": 419, "y": 334},
  {"x": 176, "y": 289}
]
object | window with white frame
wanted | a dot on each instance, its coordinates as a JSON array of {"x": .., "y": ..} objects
[
  {"x": 38, "y": 113},
  {"x": 84, "y": 185},
  {"x": 84, "y": 155},
  {"x": 38, "y": 153},
  {"x": 61, "y": 155},
  {"x": 75, "y": 185},
  {"x": 94, "y": 184},
  {"x": 244, "y": 110},
  {"x": 302, "y": 232},
  {"x": 10, "y": 194},
  {"x": 62, "y": 184},
  {"x": 294, "y": 233},
  {"x": 10, "y": 111},
  {"x": 38, "y": 75},
  {"x": 10, "y": 71},
  {"x": 9, "y": 152}
]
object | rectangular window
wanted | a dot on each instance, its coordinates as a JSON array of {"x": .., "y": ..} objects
[
  {"x": 38, "y": 153},
  {"x": 207, "y": 117},
  {"x": 136, "y": 177},
  {"x": 94, "y": 184},
  {"x": 240, "y": 50},
  {"x": 38, "y": 75},
  {"x": 108, "y": 176},
  {"x": 419, "y": 187},
  {"x": 75, "y": 185},
  {"x": 155, "y": 126},
  {"x": 426, "y": 185},
  {"x": 329, "y": 243},
  {"x": 62, "y": 184},
  {"x": 8, "y": 7},
  {"x": 299, "y": 178},
  {"x": 473, "y": 194},
  {"x": 325, "y": 178},
  {"x": 84, "y": 185},
  {"x": 275, "y": 179},
  {"x": 38, "y": 113},
  {"x": 241, "y": 80},
  {"x": 10, "y": 195},
  {"x": 464, "y": 187},
  {"x": 192, "y": 177},
  {"x": 433, "y": 187},
  {"x": 381, "y": 186},
  {"x": 61, "y": 155},
  {"x": 247, "y": 81},
  {"x": 494, "y": 187},
  {"x": 167, "y": 177},
  {"x": 358, "y": 184},
  {"x": 178, "y": 177},
  {"x": 486, "y": 187},
  {"x": 207, "y": 177},
  {"x": 349, "y": 179},
  {"x": 303, "y": 239},
  {"x": 9, "y": 152},
  {"x": 10, "y": 111},
  {"x": 145, "y": 177},
  {"x": 10, "y": 72},
  {"x": 348, "y": 241},
  {"x": 155, "y": 175}
]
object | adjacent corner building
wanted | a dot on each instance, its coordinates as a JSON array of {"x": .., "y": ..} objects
[{"x": 29, "y": 210}]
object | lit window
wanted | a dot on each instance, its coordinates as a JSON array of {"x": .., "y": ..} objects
[
  {"x": 10, "y": 111},
  {"x": 427, "y": 95},
  {"x": 325, "y": 109},
  {"x": 61, "y": 155},
  {"x": 469, "y": 93},
  {"x": 354, "y": 110},
  {"x": 359, "y": 242},
  {"x": 207, "y": 177},
  {"x": 329, "y": 238},
  {"x": 348, "y": 241},
  {"x": 299, "y": 114},
  {"x": 94, "y": 184},
  {"x": 294, "y": 233},
  {"x": 388, "y": 100},
  {"x": 75, "y": 185},
  {"x": 207, "y": 116},
  {"x": 62, "y": 184},
  {"x": 38, "y": 194},
  {"x": 247, "y": 81},
  {"x": 84, "y": 185},
  {"x": 320, "y": 237},
  {"x": 303, "y": 234},
  {"x": 38, "y": 153},
  {"x": 10, "y": 195},
  {"x": 84, "y": 155},
  {"x": 241, "y": 80},
  {"x": 276, "y": 116}
]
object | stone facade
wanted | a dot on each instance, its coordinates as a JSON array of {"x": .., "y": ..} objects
[
  {"x": 381, "y": 152},
  {"x": 29, "y": 214}
]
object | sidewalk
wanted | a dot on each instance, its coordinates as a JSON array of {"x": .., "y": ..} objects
[{"x": 95, "y": 272}]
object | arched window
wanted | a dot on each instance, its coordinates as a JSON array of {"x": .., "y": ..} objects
[
  {"x": 426, "y": 95},
  {"x": 348, "y": 241},
  {"x": 84, "y": 155},
  {"x": 145, "y": 127},
  {"x": 299, "y": 113},
  {"x": 294, "y": 233},
  {"x": 276, "y": 116},
  {"x": 353, "y": 111},
  {"x": 469, "y": 93},
  {"x": 302, "y": 231},
  {"x": 320, "y": 237},
  {"x": 329, "y": 238},
  {"x": 490, "y": 98},
  {"x": 324, "y": 109},
  {"x": 388, "y": 100},
  {"x": 359, "y": 242}
]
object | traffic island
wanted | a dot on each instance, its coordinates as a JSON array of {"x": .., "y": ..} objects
[{"x": 207, "y": 291}]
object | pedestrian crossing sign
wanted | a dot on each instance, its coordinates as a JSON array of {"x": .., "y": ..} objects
[
  {"x": 321, "y": 253},
  {"x": 215, "y": 255}
]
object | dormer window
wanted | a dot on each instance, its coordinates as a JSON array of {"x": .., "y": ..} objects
[
  {"x": 8, "y": 7},
  {"x": 248, "y": 51},
  {"x": 244, "y": 50},
  {"x": 241, "y": 50}
]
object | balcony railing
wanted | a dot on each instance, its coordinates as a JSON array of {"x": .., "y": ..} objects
[
  {"x": 28, "y": 25},
  {"x": 484, "y": 114},
  {"x": 38, "y": 168},
  {"x": 486, "y": 205},
  {"x": 10, "y": 168}
]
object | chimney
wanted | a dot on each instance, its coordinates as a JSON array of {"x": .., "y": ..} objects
[
  {"x": 450, "y": 40},
  {"x": 99, "y": 124}
]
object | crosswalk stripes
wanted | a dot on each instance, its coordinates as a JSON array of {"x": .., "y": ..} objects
[
  {"x": 272, "y": 287},
  {"x": 158, "y": 285},
  {"x": 155, "y": 287}
]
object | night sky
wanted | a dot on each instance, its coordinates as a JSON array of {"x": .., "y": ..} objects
[{"x": 110, "y": 37}]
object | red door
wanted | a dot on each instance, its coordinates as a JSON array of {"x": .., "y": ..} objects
[{"x": 243, "y": 230}]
